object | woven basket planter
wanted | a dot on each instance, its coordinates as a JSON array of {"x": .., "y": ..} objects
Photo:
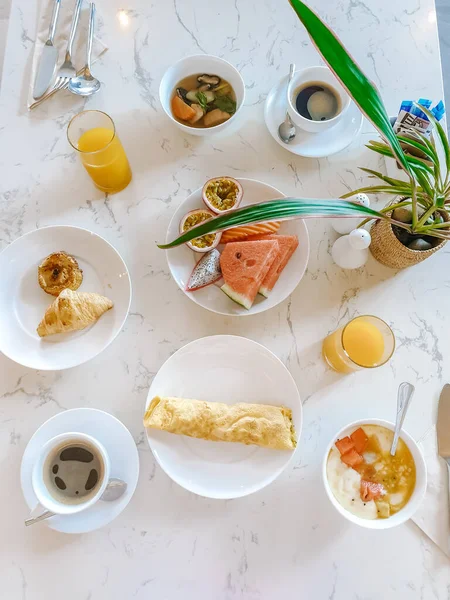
[{"x": 389, "y": 251}]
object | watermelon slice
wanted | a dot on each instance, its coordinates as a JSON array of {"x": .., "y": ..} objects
[
  {"x": 287, "y": 246},
  {"x": 244, "y": 266}
]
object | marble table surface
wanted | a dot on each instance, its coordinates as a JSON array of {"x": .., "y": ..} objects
[{"x": 286, "y": 540}]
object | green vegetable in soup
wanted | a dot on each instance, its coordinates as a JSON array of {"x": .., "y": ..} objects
[
  {"x": 226, "y": 104},
  {"x": 202, "y": 100}
]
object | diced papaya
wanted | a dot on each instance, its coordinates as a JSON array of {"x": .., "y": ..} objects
[
  {"x": 344, "y": 445},
  {"x": 181, "y": 110},
  {"x": 370, "y": 490},
  {"x": 352, "y": 458},
  {"x": 359, "y": 439}
]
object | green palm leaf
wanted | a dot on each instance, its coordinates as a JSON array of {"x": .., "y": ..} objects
[
  {"x": 361, "y": 89},
  {"x": 277, "y": 210}
]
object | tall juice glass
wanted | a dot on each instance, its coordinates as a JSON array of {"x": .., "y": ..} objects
[
  {"x": 365, "y": 342},
  {"x": 93, "y": 134}
]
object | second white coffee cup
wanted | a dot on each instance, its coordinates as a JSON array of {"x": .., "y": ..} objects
[
  {"x": 40, "y": 478},
  {"x": 315, "y": 75}
]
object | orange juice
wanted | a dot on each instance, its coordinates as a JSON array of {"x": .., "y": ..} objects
[
  {"x": 104, "y": 159},
  {"x": 362, "y": 343}
]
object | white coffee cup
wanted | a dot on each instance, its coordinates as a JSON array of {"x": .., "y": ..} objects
[
  {"x": 315, "y": 75},
  {"x": 42, "y": 491}
]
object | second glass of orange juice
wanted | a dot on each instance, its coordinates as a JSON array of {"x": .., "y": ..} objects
[
  {"x": 93, "y": 134},
  {"x": 365, "y": 342}
]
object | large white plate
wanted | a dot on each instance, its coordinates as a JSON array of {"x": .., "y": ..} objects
[
  {"x": 122, "y": 452},
  {"x": 23, "y": 303},
  {"x": 313, "y": 145},
  {"x": 230, "y": 369},
  {"x": 182, "y": 259}
]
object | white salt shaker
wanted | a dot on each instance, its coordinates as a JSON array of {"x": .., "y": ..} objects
[
  {"x": 343, "y": 226},
  {"x": 351, "y": 251}
]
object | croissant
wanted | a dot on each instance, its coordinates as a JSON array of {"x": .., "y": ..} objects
[{"x": 71, "y": 311}]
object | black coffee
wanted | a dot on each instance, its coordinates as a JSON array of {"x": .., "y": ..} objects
[
  {"x": 73, "y": 472},
  {"x": 316, "y": 101}
]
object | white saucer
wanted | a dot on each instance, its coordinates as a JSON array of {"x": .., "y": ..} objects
[
  {"x": 312, "y": 145},
  {"x": 229, "y": 369},
  {"x": 23, "y": 303},
  {"x": 182, "y": 259},
  {"x": 124, "y": 465}
]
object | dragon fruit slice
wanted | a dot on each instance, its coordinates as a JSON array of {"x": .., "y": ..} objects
[{"x": 205, "y": 272}]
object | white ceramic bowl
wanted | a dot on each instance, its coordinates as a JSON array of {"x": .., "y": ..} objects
[
  {"x": 417, "y": 496},
  {"x": 314, "y": 75},
  {"x": 192, "y": 65}
]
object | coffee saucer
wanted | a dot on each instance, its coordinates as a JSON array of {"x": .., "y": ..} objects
[
  {"x": 312, "y": 145},
  {"x": 122, "y": 452}
]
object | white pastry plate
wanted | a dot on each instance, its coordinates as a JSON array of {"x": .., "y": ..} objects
[
  {"x": 182, "y": 259},
  {"x": 122, "y": 452},
  {"x": 312, "y": 145},
  {"x": 23, "y": 303},
  {"x": 229, "y": 369}
]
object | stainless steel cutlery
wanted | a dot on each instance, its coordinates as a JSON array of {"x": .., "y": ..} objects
[
  {"x": 79, "y": 82},
  {"x": 48, "y": 58}
]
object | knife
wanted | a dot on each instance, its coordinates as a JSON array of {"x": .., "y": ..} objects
[
  {"x": 49, "y": 57},
  {"x": 443, "y": 427}
]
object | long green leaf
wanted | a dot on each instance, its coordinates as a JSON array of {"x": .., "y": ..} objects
[
  {"x": 360, "y": 88},
  {"x": 442, "y": 136},
  {"x": 276, "y": 210},
  {"x": 413, "y": 161},
  {"x": 416, "y": 144},
  {"x": 385, "y": 178}
]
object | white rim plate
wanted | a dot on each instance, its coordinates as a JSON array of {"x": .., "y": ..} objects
[
  {"x": 23, "y": 303},
  {"x": 182, "y": 260},
  {"x": 122, "y": 452},
  {"x": 311, "y": 145},
  {"x": 229, "y": 369}
]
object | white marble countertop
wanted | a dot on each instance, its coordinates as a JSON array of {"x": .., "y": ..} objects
[{"x": 286, "y": 540}]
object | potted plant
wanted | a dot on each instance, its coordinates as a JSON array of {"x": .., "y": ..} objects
[
  {"x": 423, "y": 209},
  {"x": 421, "y": 214}
]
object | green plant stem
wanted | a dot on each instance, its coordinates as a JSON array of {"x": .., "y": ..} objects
[
  {"x": 414, "y": 203},
  {"x": 392, "y": 207},
  {"x": 425, "y": 216},
  {"x": 440, "y": 226}
]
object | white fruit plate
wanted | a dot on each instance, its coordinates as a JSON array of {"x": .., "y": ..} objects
[{"x": 182, "y": 259}]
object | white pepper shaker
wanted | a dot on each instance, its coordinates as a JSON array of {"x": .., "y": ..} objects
[
  {"x": 352, "y": 251},
  {"x": 343, "y": 226}
]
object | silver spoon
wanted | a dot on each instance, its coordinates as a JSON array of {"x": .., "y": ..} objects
[
  {"x": 286, "y": 130},
  {"x": 114, "y": 490},
  {"x": 404, "y": 396},
  {"x": 85, "y": 84}
]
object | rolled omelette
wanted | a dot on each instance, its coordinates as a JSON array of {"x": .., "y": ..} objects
[{"x": 258, "y": 424}]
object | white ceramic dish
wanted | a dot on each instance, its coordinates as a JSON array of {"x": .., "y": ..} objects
[
  {"x": 228, "y": 369},
  {"x": 311, "y": 145},
  {"x": 417, "y": 496},
  {"x": 316, "y": 75},
  {"x": 122, "y": 453},
  {"x": 182, "y": 260},
  {"x": 23, "y": 303},
  {"x": 192, "y": 65}
]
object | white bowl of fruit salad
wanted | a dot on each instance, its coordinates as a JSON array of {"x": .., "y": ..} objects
[{"x": 365, "y": 483}]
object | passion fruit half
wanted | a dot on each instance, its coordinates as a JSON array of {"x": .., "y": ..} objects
[
  {"x": 205, "y": 243},
  {"x": 222, "y": 194}
]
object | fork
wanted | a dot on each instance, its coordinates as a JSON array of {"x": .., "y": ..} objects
[{"x": 67, "y": 70}]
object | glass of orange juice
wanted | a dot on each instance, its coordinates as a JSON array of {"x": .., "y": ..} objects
[
  {"x": 93, "y": 135},
  {"x": 364, "y": 343}
]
